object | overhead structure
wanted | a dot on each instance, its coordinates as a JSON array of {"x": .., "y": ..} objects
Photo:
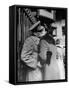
[{"x": 46, "y": 14}]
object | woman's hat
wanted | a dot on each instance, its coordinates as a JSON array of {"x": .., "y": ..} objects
[{"x": 34, "y": 25}]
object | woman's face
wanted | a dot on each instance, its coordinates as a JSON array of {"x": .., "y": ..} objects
[{"x": 42, "y": 33}]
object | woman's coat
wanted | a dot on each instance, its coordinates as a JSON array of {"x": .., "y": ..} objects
[{"x": 29, "y": 55}]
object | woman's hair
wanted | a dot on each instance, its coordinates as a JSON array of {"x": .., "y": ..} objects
[{"x": 48, "y": 38}]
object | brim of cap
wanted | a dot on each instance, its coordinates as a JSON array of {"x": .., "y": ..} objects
[{"x": 34, "y": 25}]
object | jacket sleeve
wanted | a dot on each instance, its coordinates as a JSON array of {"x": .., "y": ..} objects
[
  {"x": 43, "y": 50},
  {"x": 28, "y": 55}
]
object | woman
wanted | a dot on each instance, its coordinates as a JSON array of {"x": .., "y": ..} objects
[
  {"x": 29, "y": 54},
  {"x": 48, "y": 53},
  {"x": 60, "y": 57}
]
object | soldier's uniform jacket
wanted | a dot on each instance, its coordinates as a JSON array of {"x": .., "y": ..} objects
[
  {"x": 29, "y": 55},
  {"x": 51, "y": 70}
]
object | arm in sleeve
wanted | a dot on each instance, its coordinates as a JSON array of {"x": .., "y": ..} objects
[
  {"x": 43, "y": 50},
  {"x": 27, "y": 54}
]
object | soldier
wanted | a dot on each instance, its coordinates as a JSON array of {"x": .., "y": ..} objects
[{"x": 48, "y": 53}]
